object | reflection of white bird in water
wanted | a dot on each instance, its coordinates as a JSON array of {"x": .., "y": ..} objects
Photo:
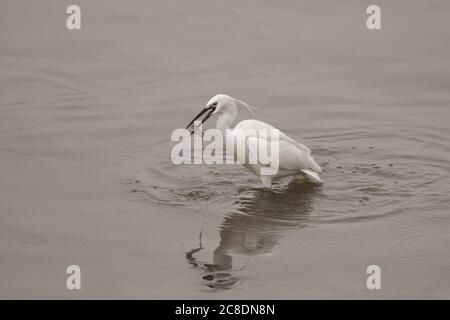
[{"x": 294, "y": 157}]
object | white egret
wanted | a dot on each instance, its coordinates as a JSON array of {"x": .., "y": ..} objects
[{"x": 294, "y": 157}]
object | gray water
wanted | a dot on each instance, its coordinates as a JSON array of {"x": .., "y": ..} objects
[{"x": 85, "y": 170}]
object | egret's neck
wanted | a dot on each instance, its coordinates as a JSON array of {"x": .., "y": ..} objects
[{"x": 226, "y": 120}]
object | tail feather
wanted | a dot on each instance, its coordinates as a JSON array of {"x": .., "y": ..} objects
[
  {"x": 314, "y": 166},
  {"x": 313, "y": 175}
]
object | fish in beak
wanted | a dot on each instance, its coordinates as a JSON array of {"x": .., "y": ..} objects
[{"x": 208, "y": 111}]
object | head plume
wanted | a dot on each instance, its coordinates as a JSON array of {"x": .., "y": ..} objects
[{"x": 249, "y": 107}]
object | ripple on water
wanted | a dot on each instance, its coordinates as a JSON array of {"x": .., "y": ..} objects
[{"x": 364, "y": 178}]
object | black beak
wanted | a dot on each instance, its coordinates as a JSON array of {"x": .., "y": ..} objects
[{"x": 208, "y": 110}]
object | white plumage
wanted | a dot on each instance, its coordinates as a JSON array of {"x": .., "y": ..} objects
[{"x": 294, "y": 157}]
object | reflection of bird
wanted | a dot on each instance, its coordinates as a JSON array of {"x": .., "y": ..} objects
[
  {"x": 255, "y": 228},
  {"x": 293, "y": 157}
]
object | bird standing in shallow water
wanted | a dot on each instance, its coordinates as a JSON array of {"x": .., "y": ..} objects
[{"x": 294, "y": 157}]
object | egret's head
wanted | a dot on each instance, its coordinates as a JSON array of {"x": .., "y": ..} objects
[{"x": 219, "y": 104}]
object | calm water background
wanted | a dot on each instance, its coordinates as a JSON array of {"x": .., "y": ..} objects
[{"x": 85, "y": 170}]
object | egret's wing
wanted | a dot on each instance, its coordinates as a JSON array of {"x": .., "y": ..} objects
[
  {"x": 306, "y": 161},
  {"x": 290, "y": 158},
  {"x": 293, "y": 154},
  {"x": 253, "y": 143},
  {"x": 293, "y": 158},
  {"x": 249, "y": 125}
]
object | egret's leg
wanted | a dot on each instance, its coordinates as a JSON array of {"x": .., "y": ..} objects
[{"x": 267, "y": 181}]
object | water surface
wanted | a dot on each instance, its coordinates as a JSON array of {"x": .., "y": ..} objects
[{"x": 85, "y": 171}]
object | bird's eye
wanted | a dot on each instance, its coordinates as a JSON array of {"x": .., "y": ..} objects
[{"x": 215, "y": 103}]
